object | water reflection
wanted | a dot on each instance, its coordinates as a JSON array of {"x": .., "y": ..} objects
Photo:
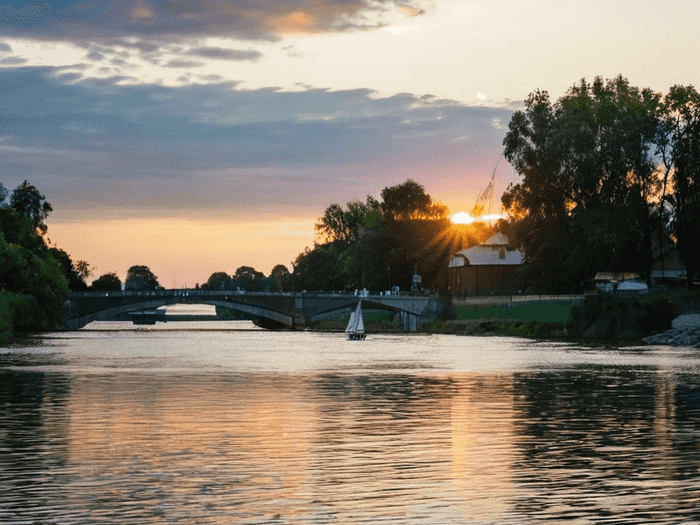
[
  {"x": 605, "y": 442},
  {"x": 584, "y": 443}
]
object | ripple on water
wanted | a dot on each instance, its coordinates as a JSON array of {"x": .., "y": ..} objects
[{"x": 303, "y": 428}]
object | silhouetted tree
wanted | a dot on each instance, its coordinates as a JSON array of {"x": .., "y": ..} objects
[
  {"x": 76, "y": 281},
  {"x": 682, "y": 126},
  {"x": 219, "y": 281},
  {"x": 409, "y": 201},
  {"x": 28, "y": 201},
  {"x": 282, "y": 278},
  {"x": 107, "y": 282},
  {"x": 140, "y": 278},
  {"x": 248, "y": 278},
  {"x": 347, "y": 224},
  {"x": 589, "y": 178}
]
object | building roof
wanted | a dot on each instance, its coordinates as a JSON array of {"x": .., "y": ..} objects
[
  {"x": 615, "y": 276},
  {"x": 493, "y": 251}
]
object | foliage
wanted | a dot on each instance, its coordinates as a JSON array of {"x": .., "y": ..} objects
[
  {"x": 680, "y": 146},
  {"x": 140, "y": 278},
  {"x": 282, "y": 278},
  {"x": 74, "y": 272},
  {"x": 13, "y": 309},
  {"x": 249, "y": 279},
  {"x": 219, "y": 281},
  {"x": 107, "y": 282},
  {"x": 28, "y": 201},
  {"x": 28, "y": 269},
  {"x": 379, "y": 244},
  {"x": 349, "y": 223},
  {"x": 589, "y": 182},
  {"x": 409, "y": 201}
]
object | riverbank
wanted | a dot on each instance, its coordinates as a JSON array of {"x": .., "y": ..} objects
[
  {"x": 616, "y": 319},
  {"x": 685, "y": 331}
]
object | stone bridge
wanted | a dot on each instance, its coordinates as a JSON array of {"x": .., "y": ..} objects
[{"x": 284, "y": 310}]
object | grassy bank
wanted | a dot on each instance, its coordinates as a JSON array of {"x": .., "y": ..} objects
[{"x": 541, "y": 311}]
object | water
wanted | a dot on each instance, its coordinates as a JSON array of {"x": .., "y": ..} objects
[{"x": 224, "y": 423}]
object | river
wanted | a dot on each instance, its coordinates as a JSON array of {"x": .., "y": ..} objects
[{"x": 220, "y": 422}]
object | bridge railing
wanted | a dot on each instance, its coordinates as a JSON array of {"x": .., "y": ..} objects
[{"x": 198, "y": 292}]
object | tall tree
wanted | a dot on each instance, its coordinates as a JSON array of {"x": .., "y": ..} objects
[
  {"x": 409, "y": 201},
  {"x": 682, "y": 126},
  {"x": 349, "y": 223},
  {"x": 140, "y": 278},
  {"x": 589, "y": 178},
  {"x": 28, "y": 201}
]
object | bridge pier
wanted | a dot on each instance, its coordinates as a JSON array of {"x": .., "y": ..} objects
[
  {"x": 409, "y": 322},
  {"x": 299, "y": 321}
]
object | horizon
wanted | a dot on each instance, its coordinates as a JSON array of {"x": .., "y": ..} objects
[{"x": 195, "y": 142}]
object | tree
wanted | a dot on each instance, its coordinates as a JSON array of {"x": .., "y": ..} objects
[
  {"x": 589, "y": 179},
  {"x": 409, "y": 201},
  {"x": 28, "y": 201},
  {"x": 218, "y": 281},
  {"x": 29, "y": 274},
  {"x": 348, "y": 224},
  {"x": 681, "y": 124},
  {"x": 107, "y": 282},
  {"x": 76, "y": 281},
  {"x": 140, "y": 278},
  {"x": 317, "y": 269},
  {"x": 282, "y": 278},
  {"x": 248, "y": 278}
]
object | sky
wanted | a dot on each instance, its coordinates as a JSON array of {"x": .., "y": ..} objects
[{"x": 196, "y": 136}]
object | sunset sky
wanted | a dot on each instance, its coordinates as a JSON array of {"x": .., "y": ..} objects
[{"x": 195, "y": 136}]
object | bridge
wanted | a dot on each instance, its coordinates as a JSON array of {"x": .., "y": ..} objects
[{"x": 296, "y": 310}]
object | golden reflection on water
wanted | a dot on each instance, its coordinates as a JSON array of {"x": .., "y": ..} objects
[
  {"x": 375, "y": 443},
  {"x": 483, "y": 449}
]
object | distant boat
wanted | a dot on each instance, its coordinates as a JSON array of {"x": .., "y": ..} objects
[{"x": 356, "y": 326}]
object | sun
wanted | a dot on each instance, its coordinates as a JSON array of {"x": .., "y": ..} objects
[{"x": 462, "y": 218}]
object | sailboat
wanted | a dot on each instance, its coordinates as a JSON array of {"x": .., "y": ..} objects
[{"x": 356, "y": 326}]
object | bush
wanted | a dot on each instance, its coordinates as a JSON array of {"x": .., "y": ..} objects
[{"x": 13, "y": 309}]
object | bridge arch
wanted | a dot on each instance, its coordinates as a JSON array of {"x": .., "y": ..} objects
[
  {"x": 115, "y": 311},
  {"x": 292, "y": 310}
]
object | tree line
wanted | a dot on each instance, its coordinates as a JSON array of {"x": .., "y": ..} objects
[
  {"x": 36, "y": 277},
  {"x": 610, "y": 179},
  {"x": 375, "y": 244}
]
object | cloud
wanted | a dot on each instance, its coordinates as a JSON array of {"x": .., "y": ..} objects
[
  {"x": 226, "y": 54},
  {"x": 201, "y": 148},
  {"x": 183, "y": 63},
  {"x": 175, "y": 19},
  {"x": 12, "y": 61}
]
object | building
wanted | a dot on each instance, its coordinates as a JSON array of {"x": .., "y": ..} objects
[
  {"x": 668, "y": 268},
  {"x": 487, "y": 269}
]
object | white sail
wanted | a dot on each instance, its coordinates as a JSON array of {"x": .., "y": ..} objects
[
  {"x": 351, "y": 323},
  {"x": 359, "y": 321},
  {"x": 356, "y": 325}
]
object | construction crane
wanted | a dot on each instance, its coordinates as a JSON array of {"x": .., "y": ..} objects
[{"x": 484, "y": 202}]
